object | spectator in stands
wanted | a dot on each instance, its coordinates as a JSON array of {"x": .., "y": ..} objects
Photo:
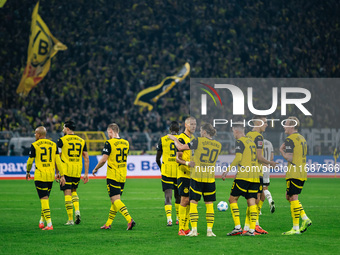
[{"x": 119, "y": 48}]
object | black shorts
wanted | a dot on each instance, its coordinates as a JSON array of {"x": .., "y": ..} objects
[
  {"x": 261, "y": 185},
  {"x": 266, "y": 184},
  {"x": 114, "y": 188},
  {"x": 70, "y": 183},
  {"x": 294, "y": 186},
  {"x": 207, "y": 189},
  {"x": 169, "y": 183},
  {"x": 245, "y": 189},
  {"x": 183, "y": 185},
  {"x": 43, "y": 188}
]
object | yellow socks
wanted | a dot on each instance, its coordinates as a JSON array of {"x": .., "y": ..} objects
[
  {"x": 112, "y": 215},
  {"x": 252, "y": 217},
  {"x": 177, "y": 211},
  {"x": 295, "y": 210},
  {"x": 235, "y": 212},
  {"x": 69, "y": 207},
  {"x": 247, "y": 222},
  {"x": 303, "y": 213},
  {"x": 75, "y": 201},
  {"x": 187, "y": 218},
  {"x": 259, "y": 206},
  {"x": 120, "y": 206},
  {"x": 210, "y": 216},
  {"x": 182, "y": 214},
  {"x": 45, "y": 207},
  {"x": 168, "y": 209},
  {"x": 193, "y": 215},
  {"x": 42, "y": 218}
]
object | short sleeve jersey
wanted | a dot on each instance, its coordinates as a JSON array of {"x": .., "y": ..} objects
[
  {"x": 183, "y": 170},
  {"x": 44, "y": 152},
  {"x": 248, "y": 168},
  {"x": 117, "y": 149},
  {"x": 72, "y": 147},
  {"x": 206, "y": 152},
  {"x": 296, "y": 144},
  {"x": 258, "y": 140},
  {"x": 168, "y": 149}
]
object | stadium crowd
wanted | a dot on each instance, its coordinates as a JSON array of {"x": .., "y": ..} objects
[{"x": 118, "y": 48}]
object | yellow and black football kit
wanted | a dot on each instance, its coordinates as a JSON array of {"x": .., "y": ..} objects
[
  {"x": 169, "y": 165},
  {"x": 44, "y": 153},
  {"x": 296, "y": 173},
  {"x": 259, "y": 142},
  {"x": 72, "y": 147},
  {"x": 183, "y": 173},
  {"x": 202, "y": 181},
  {"x": 117, "y": 149},
  {"x": 247, "y": 179}
]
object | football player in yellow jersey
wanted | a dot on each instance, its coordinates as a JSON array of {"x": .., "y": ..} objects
[
  {"x": 294, "y": 150},
  {"x": 202, "y": 177},
  {"x": 260, "y": 125},
  {"x": 72, "y": 149},
  {"x": 183, "y": 176},
  {"x": 45, "y": 154},
  {"x": 167, "y": 150},
  {"x": 246, "y": 182},
  {"x": 115, "y": 152}
]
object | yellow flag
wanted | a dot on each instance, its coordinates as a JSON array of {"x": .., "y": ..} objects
[
  {"x": 2, "y": 3},
  {"x": 150, "y": 95},
  {"x": 42, "y": 47}
]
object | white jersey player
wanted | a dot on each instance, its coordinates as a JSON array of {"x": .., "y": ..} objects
[{"x": 268, "y": 153}]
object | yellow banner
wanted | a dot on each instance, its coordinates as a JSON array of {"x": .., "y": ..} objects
[
  {"x": 2, "y": 3},
  {"x": 42, "y": 47},
  {"x": 150, "y": 95}
]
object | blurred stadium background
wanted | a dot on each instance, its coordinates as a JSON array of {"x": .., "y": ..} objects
[{"x": 118, "y": 48}]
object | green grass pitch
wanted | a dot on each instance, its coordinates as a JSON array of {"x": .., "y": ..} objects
[{"x": 20, "y": 213}]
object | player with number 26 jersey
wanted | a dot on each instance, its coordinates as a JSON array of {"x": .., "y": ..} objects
[{"x": 117, "y": 149}]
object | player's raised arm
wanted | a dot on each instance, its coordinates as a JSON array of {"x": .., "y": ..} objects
[{"x": 179, "y": 146}]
